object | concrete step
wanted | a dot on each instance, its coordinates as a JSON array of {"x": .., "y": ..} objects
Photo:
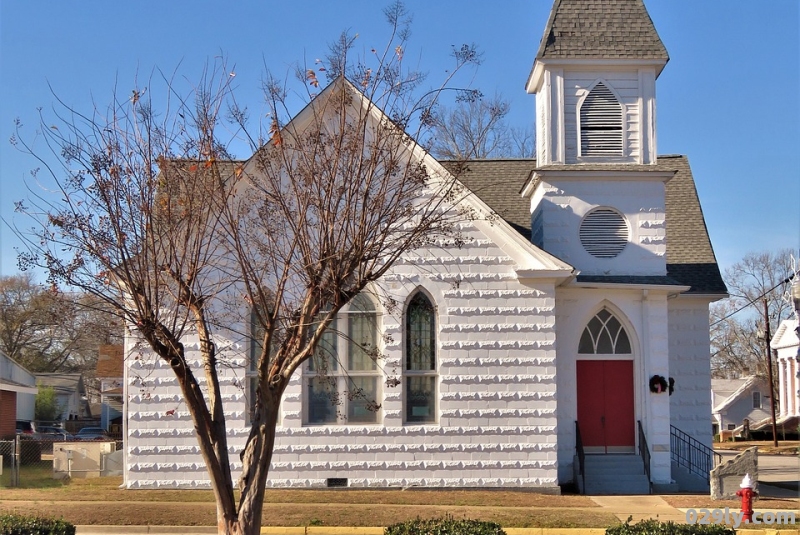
[{"x": 615, "y": 474}]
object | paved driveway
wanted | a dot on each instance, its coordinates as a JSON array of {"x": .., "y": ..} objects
[{"x": 779, "y": 475}]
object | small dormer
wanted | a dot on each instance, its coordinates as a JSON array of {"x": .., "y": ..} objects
[{"x": 594, "y": 79}]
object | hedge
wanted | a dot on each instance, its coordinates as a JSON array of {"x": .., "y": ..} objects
[
  {"x": 654, "y": 527},
  {"x": 31, "y": 525},
  {"x": 444, "y": 526}
]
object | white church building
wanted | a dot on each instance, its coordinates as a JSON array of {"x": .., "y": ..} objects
[{"x": 572, "y": 331}]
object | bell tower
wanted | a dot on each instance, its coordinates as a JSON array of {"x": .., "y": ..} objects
[
  {"x": 594, "y": 79},
  {"x": 597, "y": 194}
]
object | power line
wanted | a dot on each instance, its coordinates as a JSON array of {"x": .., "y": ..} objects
[{"x": 784, "y": 281}]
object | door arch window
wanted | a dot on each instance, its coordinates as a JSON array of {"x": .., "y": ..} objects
[{"x": 605, "y": 335}]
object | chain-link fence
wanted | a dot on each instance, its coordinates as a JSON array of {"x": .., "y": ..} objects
[{"x": 30, "y": 462}]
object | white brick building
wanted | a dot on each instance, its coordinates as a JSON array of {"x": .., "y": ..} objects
[{"x": 591, "y": 288}]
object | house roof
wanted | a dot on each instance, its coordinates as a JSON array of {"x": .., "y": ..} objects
[
  {"x": 785, "y": 335},
  {"x": 64, "y": 383},
  {"x": 690, "y": 256},
  {"x": 110, "y": 361},
  {"x": 730, "y": 390},
  {"x": 600, "y": 29}
]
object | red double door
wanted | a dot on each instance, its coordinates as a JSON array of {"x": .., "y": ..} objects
[{"x": 605, "y": 405}]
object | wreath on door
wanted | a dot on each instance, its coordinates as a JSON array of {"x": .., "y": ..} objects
[{"x": 658, "y": 384}]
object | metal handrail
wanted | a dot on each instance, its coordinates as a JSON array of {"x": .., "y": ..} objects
[
  {"x": 687, "y": 451},
  {"x": 644, "y": 451},
  {"x": 581, "y": 455}
]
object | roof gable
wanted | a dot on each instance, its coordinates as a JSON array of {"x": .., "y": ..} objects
[
  {"x": 785, "y": 336},
  {"x": 600, "y": 29},
  {"x": 510, "y": 237},
  {"x": 744, "y": 386}
]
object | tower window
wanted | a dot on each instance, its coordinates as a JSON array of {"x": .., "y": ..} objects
[
  {"x": 601, "y": 123},
  {"x": 604, "y": 233}
]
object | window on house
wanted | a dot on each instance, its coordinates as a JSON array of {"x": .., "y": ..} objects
[
  {"x": 756, "y": 400},
  {"x": 601, "y": 123},
  {"x": 731, "y": 427},
  {"x": 341, "y": 379},
  {"x": 420, "y": 361},
  {"x": 604, "y": 335}
]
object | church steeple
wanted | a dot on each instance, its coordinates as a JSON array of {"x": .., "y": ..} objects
[
  {"x": 600, "y": 29},
  {"x": 594, "y": 77}
]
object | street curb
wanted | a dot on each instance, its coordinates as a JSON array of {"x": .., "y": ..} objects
[
  {"x": 332, "y": 530},
  {"x": 340, "y": 530}
]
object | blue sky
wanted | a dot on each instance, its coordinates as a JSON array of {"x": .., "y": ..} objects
[{"x": 728, "y": 98}]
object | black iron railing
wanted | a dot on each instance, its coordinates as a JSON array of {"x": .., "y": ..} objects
[
  {"x": 644, "y": 450},
  {"x": 688, "y": 452},
  {"x": 581, "y": 456}
]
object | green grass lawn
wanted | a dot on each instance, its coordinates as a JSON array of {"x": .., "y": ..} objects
[{"x": 38, "y": 475}]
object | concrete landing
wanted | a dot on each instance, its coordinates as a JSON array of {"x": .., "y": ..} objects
[{"x": 640, "y": 508}]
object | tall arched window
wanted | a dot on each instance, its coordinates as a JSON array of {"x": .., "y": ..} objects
[
  {"x": 341, "y": 379},
  {"x": 601, "y": 123},
  {"x": 420, "y": 360},
  {"x": 604, "y": 335}
]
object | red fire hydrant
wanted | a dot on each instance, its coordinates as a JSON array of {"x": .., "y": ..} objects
[{"x": 747, "y": 493}]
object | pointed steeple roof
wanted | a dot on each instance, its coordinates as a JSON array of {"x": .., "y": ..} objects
[{"x": 600, "y": 29}]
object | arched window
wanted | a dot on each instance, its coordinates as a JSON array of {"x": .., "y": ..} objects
[
  {"x": 604, "y": 335},
  {"x": 342, "y": 387},
  {"x": 420, "y": 360},
  {"x": 601, "y": 123}
]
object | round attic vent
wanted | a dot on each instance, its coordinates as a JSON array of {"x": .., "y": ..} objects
[{"x": 604, "y": 233}]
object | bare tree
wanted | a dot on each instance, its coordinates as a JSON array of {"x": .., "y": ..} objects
[
  {"x": 154, "y": 218},
  {"x": 49, "y": 331},
  {"x": 477, "y": 128},
  {"x": 735, "y": 323}
]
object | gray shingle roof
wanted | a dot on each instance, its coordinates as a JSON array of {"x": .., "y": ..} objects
[
  {"x": 600, "y": 29},
  {"x": 498, "y": 183},
  {"x": 690, "y": 257}
]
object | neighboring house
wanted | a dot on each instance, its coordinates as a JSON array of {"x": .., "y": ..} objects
[
  {"x": 734, "y": 400},
  {"x": 591, "y": 288},
  {"x": 787, "y": 345},
  {"x": 17, "y": 395},
  {"x": 110, "y": 374},
  {"x": 70, "y": 394}
]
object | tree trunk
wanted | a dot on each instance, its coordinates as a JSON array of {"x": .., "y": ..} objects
[{"x": 256, "y": 459}]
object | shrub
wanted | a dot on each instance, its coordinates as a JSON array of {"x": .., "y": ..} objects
[
  {"x": 654, "y": 527},
  {"x": 31, "y": 525},
  {"x": 444, "y": 526}
]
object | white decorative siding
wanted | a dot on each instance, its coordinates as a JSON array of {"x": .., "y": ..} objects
[
  {"x": 565, "y": 203},
  {"x": 625, "y": 84},
  {"x": 689, "y": 365},
  {"x": 496, "y": 387}
]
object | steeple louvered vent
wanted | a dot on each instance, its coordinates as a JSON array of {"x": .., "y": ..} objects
[
  {"x": 601, "y": 123},
  {"x": 604, "y": 233}
]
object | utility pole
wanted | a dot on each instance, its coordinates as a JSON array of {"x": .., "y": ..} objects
[{"x": 767, "y": 337}]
